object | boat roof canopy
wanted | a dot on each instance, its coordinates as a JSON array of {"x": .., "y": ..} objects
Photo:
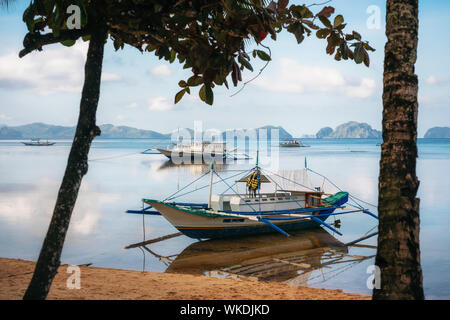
[{"x": 262, "y": 178}]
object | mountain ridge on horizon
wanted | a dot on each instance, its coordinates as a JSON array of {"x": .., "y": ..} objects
[
  {"x": 351, "y": 129},
  {"x": 109, "y": 131}
]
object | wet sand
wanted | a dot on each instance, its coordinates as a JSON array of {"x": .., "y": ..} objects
[{"x": 116, "y": 284}]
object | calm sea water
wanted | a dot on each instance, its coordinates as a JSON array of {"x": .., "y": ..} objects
[{"x": 119, "y": 176}]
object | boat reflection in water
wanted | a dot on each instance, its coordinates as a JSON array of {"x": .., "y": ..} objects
[
  {"x": 268, "y": 257},
  {"x": 194, "y": 168}
]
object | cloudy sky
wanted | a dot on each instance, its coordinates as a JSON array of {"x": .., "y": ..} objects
[{"x": 302, "y": 89}]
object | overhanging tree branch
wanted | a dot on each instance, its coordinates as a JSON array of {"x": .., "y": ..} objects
[{"x": 35, "y": 41}]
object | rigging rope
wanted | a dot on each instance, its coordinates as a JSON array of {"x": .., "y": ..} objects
[
  {"x": 290, "y": 196},
  {"x": 299, "y": 184},
  {"x": 172, "y": 195},
  {"x": 143, "y": 235},
  {"x": 351, "y": 197},
  {"x": 234, "y": 191},
  {"x": 370, "y": 204},
  {"x": 115, "y": 157},
  {"x": 235, "y": 182},
  {"x": 376, "y": 226},
  {"x": 336, "y": 272},
  {"x": 206, "y": 186}
]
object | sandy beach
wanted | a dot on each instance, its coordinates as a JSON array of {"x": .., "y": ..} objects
[{"x": 107, "y": 284}]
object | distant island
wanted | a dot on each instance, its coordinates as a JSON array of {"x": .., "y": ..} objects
[
  {"x": 438, "y": 133},
  {"x": 46, "y": 131},
  {"x": 324, "y": 133},
  {"x": 109, "y": 131},
  {"x": 350, "y": 129}
]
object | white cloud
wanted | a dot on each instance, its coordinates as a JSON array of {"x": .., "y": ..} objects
[
  {"x": 132, "y": 105},
  {"x": 193, "y": 98},
  {"x": 4, "y": 117},
  {"x": 433, "y": 80},
  {"x": 364, "y": 90},
  {"x": 426, "y": 99},
  {"x": 33, "y": 210},
  {"x": 53, "y": 70},
  {"x": 161, "y": 70},
  {"x": 110, "y": 77},
  {"x": 294, "y": 77},
  {"x": 159, "y": 104}
]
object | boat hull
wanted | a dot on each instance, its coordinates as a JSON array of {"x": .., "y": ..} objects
[
  {"x": 227, "y": 232},
  {"x": 290, "y": 145},
  {"x": 30, "y": 144},
  {"x": 191, "y": 156},
  {"x": 204, "y": 224},
  {"x": 294, "y": 146}
]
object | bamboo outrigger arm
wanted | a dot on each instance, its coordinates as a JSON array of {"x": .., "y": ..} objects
[
  {"x": 270, "y": 224},
  {"x": 326, "y": 225}
]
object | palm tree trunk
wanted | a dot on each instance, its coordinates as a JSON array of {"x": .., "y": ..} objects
[
  {"x": 77, "y": 166},
  {"x": 398, "y": 254}
]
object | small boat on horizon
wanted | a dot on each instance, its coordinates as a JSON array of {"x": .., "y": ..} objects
[
  {"x": 38, "y": 143},
  {"x": 293, "y": 144}
]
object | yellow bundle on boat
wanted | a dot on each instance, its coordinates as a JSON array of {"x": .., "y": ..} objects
[{"x": 253, "y": 181}]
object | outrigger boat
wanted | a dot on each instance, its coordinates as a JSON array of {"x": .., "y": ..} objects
[
  {"x": 237, "y": 214},
  {"x": 195, "y": 150},
  {"x": 293, "y": 144},
  {"x": 38, "y": 143}
]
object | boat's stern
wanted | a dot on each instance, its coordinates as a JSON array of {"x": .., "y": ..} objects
[{"x": 337, "y": 199}]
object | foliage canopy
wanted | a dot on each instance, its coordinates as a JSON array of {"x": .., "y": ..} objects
[{"x": 207, "y": 36}]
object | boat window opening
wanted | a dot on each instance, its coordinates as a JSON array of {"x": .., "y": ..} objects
[
  {"x": 232, "y": 220},
  {"x": 226, "y": 206}
]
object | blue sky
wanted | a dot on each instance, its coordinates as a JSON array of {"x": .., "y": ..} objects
[{"x": 302, "y": 89}]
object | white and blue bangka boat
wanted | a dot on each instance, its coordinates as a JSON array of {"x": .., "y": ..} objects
[{"x": 252, "y": 212}]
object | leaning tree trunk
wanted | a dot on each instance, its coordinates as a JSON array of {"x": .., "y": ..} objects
[
  {"x": 77, "y": 166},
  {"x": 398, "y": 254}
]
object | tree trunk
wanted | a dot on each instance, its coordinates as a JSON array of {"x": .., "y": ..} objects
[
  {"x": 77, "y": 166},
  {"x": 398, "y": 254}
]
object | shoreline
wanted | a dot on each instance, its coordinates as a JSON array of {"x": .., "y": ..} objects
[{"x": 117, "y": 284}]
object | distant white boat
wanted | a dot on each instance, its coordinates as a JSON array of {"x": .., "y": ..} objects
[
  {"x": 38, "y": 143},
  {"x": 196, "y": 150}
]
